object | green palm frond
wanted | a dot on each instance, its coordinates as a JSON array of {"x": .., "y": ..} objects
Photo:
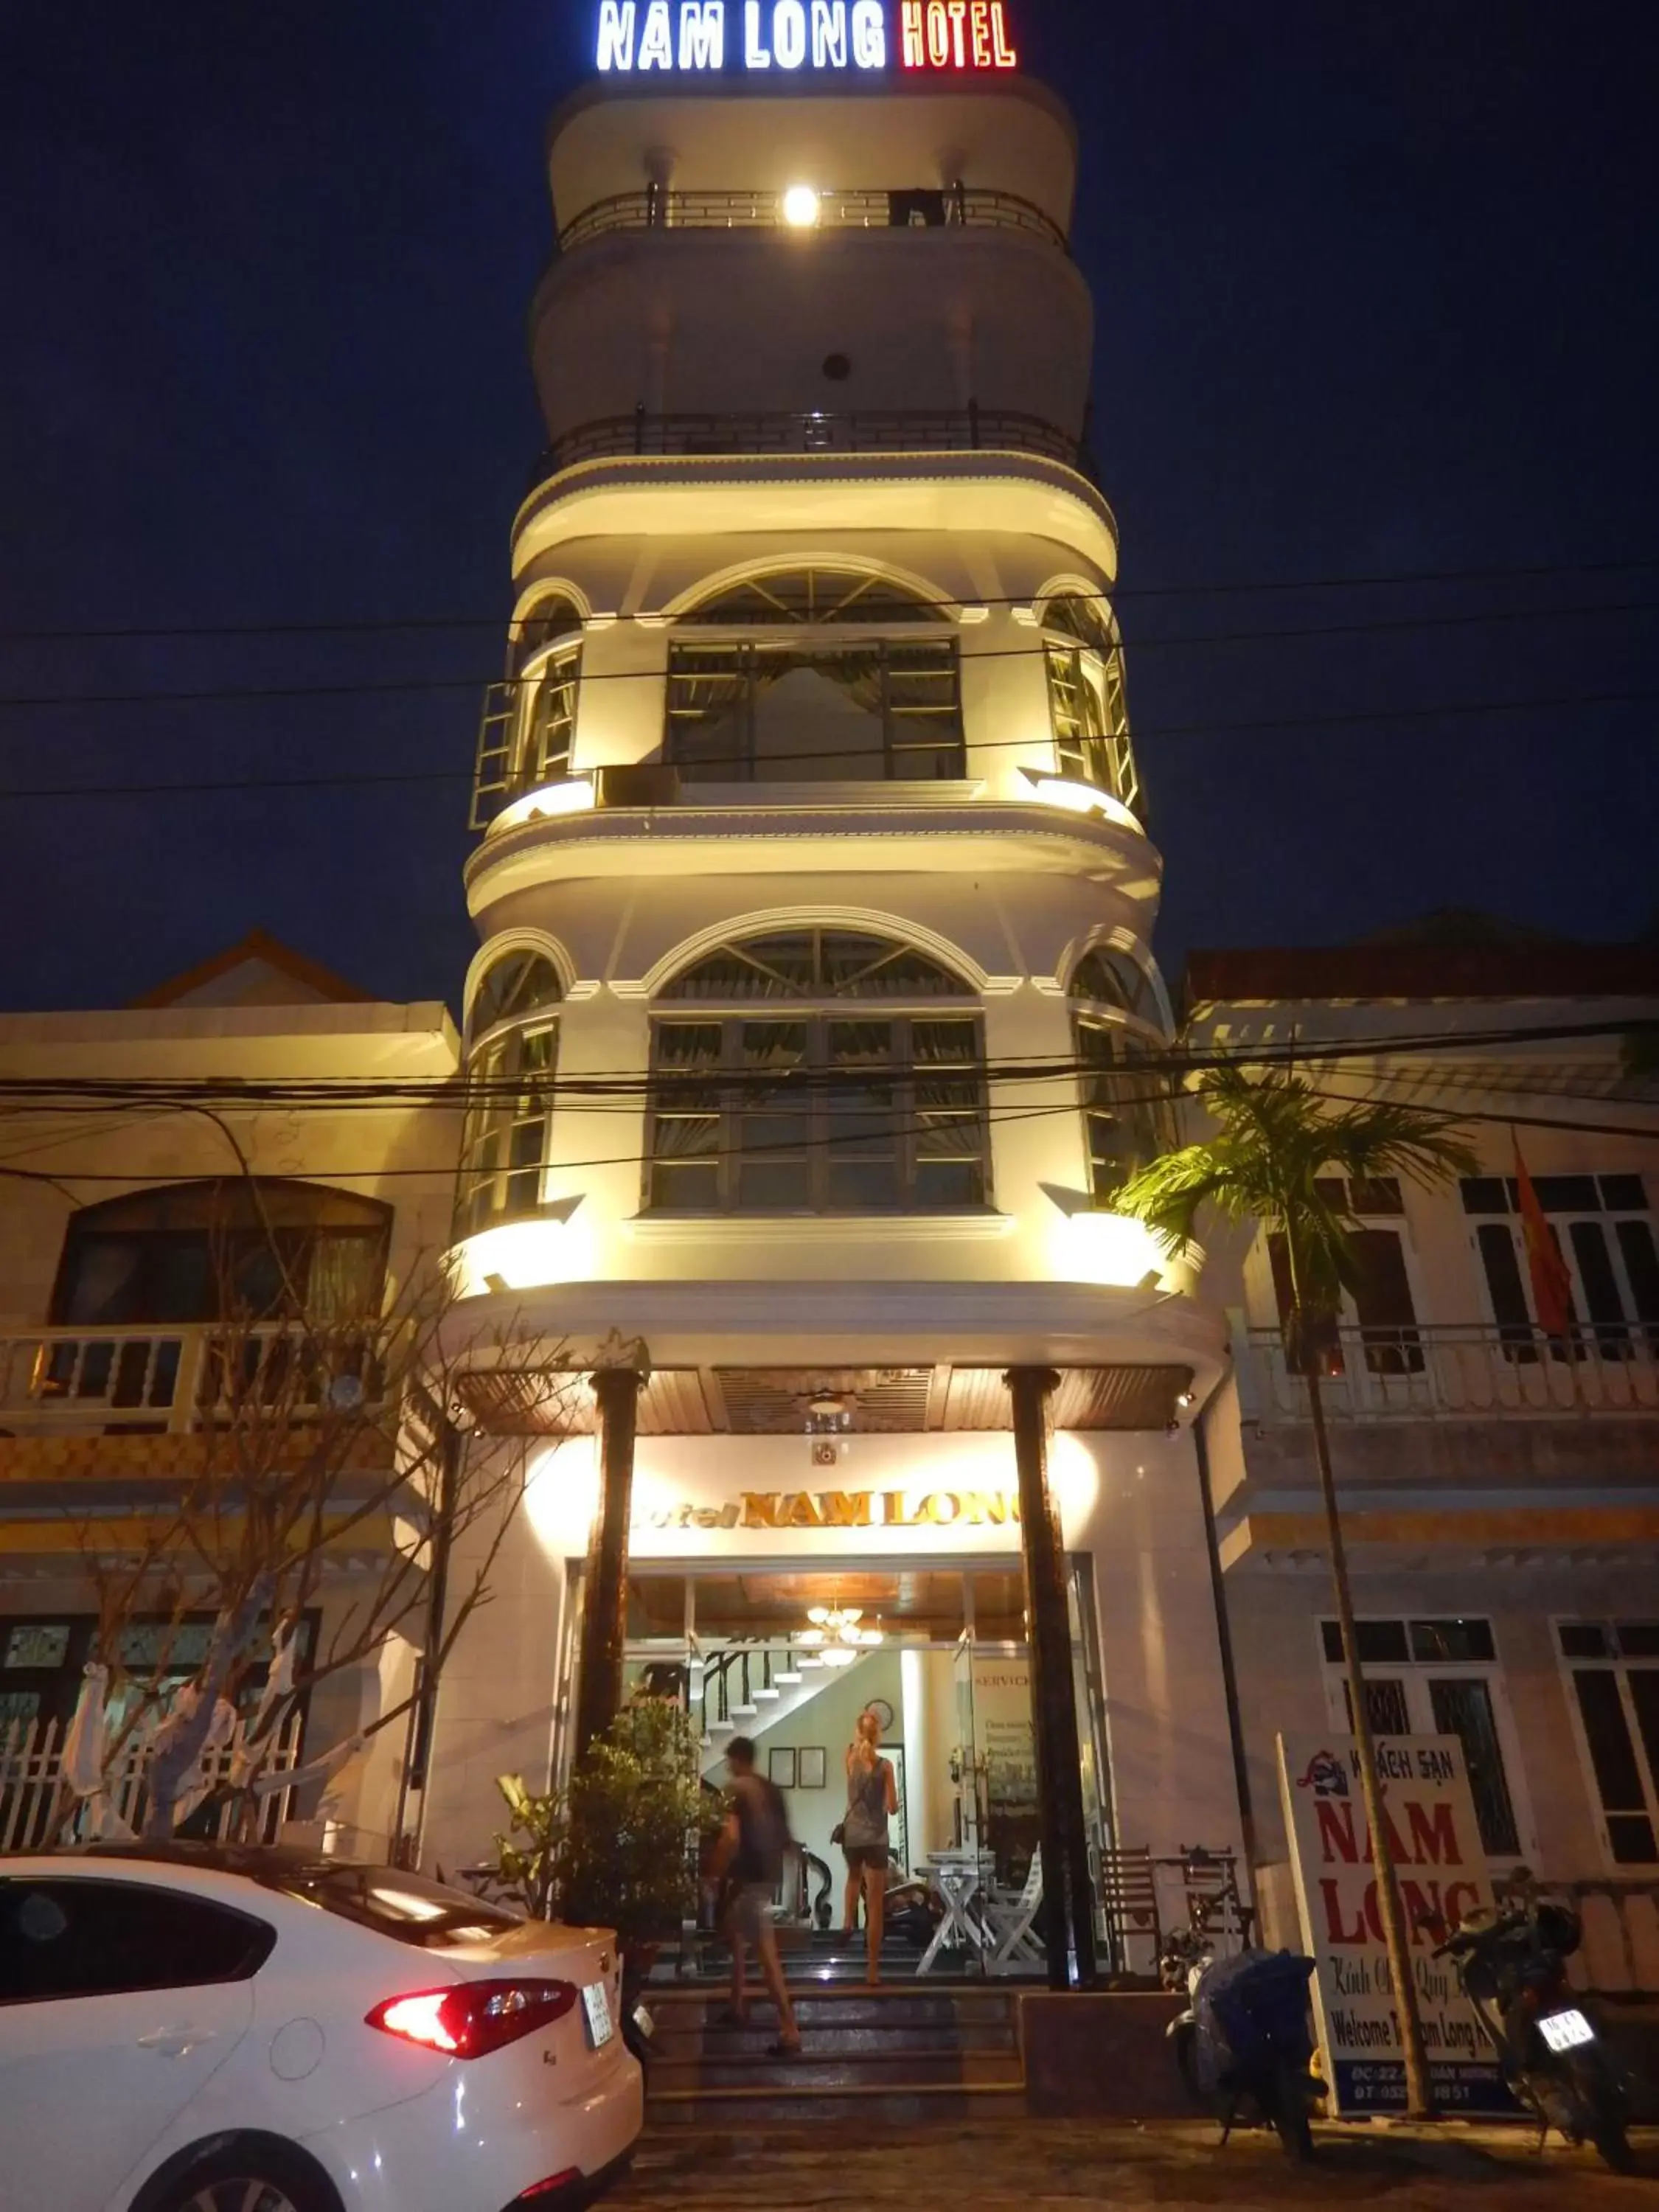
[{"x": 1276, "y": 1149}]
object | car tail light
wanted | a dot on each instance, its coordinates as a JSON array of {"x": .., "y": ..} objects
[
  {"x": 469, "y": 2020},
  {"x": 538, "y": 2190}
]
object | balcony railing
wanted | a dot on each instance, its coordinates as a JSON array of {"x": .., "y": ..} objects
[
  {"x": 971, "y": 430},
  {"x": 959, "y": 207},
  {"x": 1453, "y": 1374},
  {"x": 66, "y": 1380}
]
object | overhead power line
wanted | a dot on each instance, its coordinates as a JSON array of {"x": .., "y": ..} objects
[
  {"x": 203, "y": 786},
  {"x": 390, "y": 625}
]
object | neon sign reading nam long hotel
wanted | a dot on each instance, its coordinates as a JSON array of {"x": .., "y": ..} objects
[{"x": 820, "y": 35}]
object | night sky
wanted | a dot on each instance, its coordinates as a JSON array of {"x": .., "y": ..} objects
[{"x": 1376, "y": 294}]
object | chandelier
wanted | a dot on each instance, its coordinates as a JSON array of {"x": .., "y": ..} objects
[{"x": 835, "y": 1636}]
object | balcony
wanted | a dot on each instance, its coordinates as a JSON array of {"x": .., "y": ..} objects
[
  {"x": 1458, "y": 1373},
  {"x": 957, "y": 208},
  {"x": 172, "y": 1380},
  {"x": 971, "y": 430}
]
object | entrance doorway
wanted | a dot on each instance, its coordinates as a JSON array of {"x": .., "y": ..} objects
[{"x": 939, "y": 1653}]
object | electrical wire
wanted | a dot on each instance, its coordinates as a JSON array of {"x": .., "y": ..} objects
[{"x": 372, "y": 625}]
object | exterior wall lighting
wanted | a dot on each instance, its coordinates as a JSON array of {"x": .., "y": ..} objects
[
  {"x": 575, "y": 797},
  {"x": 800, "y": 208},
  {"x": 1079, "y": 798}
]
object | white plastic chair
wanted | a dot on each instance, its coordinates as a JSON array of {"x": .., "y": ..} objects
[{"x": 1014, "y": 1944}]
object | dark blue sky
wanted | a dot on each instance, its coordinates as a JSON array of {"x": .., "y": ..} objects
[{"x": 1376, "y": 293}]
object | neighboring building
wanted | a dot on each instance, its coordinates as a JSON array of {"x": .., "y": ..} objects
[
  {"x": 127, "y": 1221},
  {"x": 1499, "y": 1487}
]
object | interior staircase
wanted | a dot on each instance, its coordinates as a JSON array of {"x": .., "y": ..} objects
[
  {"x": 909, "y": 2052},
  {"x": 745, "y": 1689}
]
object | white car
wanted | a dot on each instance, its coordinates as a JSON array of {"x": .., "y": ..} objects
[{"x": 208, "y": 2029}]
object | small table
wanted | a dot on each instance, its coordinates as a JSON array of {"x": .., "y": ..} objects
[{"x": 960, "y": 1876}]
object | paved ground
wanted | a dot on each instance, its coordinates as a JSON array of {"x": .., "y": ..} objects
[{"x": 1008, "y": 2165}]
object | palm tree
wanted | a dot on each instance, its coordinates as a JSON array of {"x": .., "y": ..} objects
[{"x": 1275, "y": 1149}]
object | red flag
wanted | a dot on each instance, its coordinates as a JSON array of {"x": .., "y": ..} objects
[{"x": 1551, "y": 1279}]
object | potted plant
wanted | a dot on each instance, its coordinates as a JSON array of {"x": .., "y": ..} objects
[{"x": 618, "y": 1847}]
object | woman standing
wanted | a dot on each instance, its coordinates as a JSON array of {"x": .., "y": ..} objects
[{"x": 871, "y": 1798}]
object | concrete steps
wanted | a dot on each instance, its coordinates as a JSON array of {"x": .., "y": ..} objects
[{"x": 906, "y": 2053}]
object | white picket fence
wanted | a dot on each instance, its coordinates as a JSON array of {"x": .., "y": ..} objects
[{"x": 31, "y": 1761}]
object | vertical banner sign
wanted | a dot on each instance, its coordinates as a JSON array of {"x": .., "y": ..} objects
[{"x": 1441, "y": 1870}]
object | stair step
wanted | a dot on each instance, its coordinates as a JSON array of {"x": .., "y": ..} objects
[
  {"x": 744, "y": 1712},
  {"x": 877, "y": 2069},
  {"x": 921, "y": 2106},
  {"x": 766, "y": 1697},
  {"x": 718, "y": 2046},
  {"x": 789, "y": 1681}
]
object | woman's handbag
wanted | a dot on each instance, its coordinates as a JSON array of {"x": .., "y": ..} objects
[{"x": 838, "y": 1833}]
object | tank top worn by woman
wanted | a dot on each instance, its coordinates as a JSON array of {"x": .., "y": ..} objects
[{"x": 866, "y": 1806}]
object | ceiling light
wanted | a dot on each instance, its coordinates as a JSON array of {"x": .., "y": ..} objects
[
  {"x": 813, "y": 1636},
  {"x": 800, "y": 207},
  {"x": 838, "y": 1654},
  {"x": 818, "y": 1614}
]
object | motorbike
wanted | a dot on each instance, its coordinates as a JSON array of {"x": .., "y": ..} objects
[
  {"x": 1511, "y": 1965},
  {"x": 1243, "y": 2042}
]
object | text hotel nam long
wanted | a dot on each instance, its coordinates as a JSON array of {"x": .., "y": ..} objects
[{"x": 798, "y": 34}]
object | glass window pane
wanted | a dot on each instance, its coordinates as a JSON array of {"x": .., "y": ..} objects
[
  {"x": 1645, "y": 1695},
  {"x": 1381, "y": 1194},
  {"x": 695, "y": 1189},
  {"x": 32, "y": 1644},
  {"x": 82, "y": 1938},
  {"x": 1631, "y": 1837},
  {"x": 1568, "y": 1194},
  {"x": 1638, "y": 1639},
  {"x": 1613, "y": 1755},
  {"x": 1386, "y": 1705},
  {"x": 1606, "y": 1309},
  {"x": 1502, "y": 1265},
  {"x": 1485, "y": 1194},
  {"x": 775, "y": 1183},
  {"x": 1583, "y": 1640},
  {"x": 1453, "y": 1640},
  {"x": 1464, "y": 1708},
  {"x": 1636, "y": 1249},
  {"x": 1624, "y": 1194}
]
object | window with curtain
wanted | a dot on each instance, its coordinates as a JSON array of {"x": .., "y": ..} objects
[
  {"x": 817, "y": 1107},
  {"x": 802, "y": 700},
  {"x": 1613, "y": 1669},
  {"x": 1128, "y": 1102},
  {"x": 1087, "y": 701},
  {"x": 527, "y": 727},
  {"x": 1109, "y": 976},
  {"x": 519, "y": 984},
  {"x": 220, "y": 1250},
  {"x": 1604, "y": 1229},
  {"x": 504, "y": 1143}
]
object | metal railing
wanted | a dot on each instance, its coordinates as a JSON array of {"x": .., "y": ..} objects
[
  {"x": 1466, "y": 1372},
  {"x": 59, "y": 1381},
  {"x": 970, "y": 429},
  {"x": 955, "y": 208}
]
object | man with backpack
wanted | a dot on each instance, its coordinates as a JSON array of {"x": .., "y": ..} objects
[{"x": 750, "y": 1857}]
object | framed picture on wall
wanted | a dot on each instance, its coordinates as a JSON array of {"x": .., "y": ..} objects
[
  {"x": 780, "y": 1766},
  {"x": 813, "y": 1771}
]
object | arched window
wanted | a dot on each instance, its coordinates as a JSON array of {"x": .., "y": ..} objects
[
  {"x": 1108, "y": 977},
  {"x": 528, "y": 725},
  {"x": 224, "y": 1250},
  {"x": 1128, "y": 1094},
  {"x": 773, "y": 702},
  {"x": 549, "y": 620},
  {"x": 839, "y": 1101},
  {"x": 1087, "y": 702},
  {"x": 518, "y": 984},
  {"x": 510, "y": 1076}
]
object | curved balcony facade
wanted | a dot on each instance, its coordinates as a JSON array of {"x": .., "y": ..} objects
[{"x": 956, "y": 206}]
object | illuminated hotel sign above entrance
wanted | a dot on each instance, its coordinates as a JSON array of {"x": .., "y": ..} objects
[{"x": 825, "y": 36}]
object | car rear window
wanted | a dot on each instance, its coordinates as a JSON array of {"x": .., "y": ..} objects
[
  {"x": 428, "y": 1914},
  {"x": 81, "y": 1938}
]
